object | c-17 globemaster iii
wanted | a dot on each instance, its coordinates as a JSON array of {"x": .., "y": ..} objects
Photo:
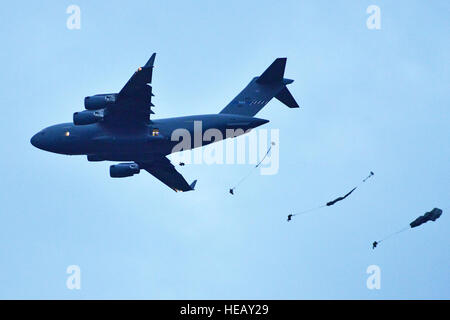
[{"x": 117, "y": 126}]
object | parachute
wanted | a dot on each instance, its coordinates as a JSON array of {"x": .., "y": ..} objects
[
  {"x": 329, "y": 203},
  {"x": 231, "y": 190},
  {"x": 368, "y": 177},
  {"x": 432, "y": 215}
]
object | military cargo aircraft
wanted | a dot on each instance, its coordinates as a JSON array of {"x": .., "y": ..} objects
[{"x": 118, "y": 127}]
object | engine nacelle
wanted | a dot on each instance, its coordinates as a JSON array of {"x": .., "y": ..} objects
[
  {"x": 87, "y": 117},
  {"x": 99, "y": 101},
  {"x": 123, "y": 170}
]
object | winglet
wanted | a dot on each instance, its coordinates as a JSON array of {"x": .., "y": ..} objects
[
  {"x": 193, "y": 184},
  {"x": 150, "y": 61}
]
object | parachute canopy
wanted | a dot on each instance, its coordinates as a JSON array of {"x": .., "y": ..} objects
[
  {"x": 433, "y": 215},
  {"x": 429, "y": 216},
  {"x": 330, "y": 203}
]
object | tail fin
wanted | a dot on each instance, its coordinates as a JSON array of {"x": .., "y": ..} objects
[
  {"x": 261, "y": 90},
  {"x": 274, "y": 73}
]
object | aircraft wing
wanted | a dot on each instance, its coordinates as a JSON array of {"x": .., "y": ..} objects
[
  {"x": 134, "y": 101},
  {"x": 165, "y": 172}
]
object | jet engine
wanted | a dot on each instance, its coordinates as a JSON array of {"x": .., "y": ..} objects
[
  {"x": 123, "y": 170},
  {"x": 99, "y": 101},
  {"x": 87, "y": 117}
]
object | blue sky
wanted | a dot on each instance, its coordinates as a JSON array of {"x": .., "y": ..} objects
[{"x": 371, "y": 100}]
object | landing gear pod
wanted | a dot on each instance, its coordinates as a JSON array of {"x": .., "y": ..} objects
[{"x": 123, "y": 170}]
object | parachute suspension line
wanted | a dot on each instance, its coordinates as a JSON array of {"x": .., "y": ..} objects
[
  {"x": 242, "y": 180},
  {"x": 365, "y": 179},
  {"x": 252, "y": 169},
  {"x": 270, "y": 148},
  {"x": 368, "y": 177},
  {"x": 330, "y": 203},
  {"x": 309, "y": 210},
  {"x": 393, "y": 234}
]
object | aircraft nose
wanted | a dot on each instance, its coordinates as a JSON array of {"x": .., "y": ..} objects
[
  {"x": 37, "y": 140},
  {"x": 34, "y": 140}
]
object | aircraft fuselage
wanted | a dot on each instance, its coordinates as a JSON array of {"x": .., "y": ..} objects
[{"x": 130, "y": 143}]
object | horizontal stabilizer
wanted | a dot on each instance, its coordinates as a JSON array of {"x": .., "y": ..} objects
[
  {"x": 286, "y": 97},
  {"x": 193, "y": 184},
  {"x": 274, "y": 73}
]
